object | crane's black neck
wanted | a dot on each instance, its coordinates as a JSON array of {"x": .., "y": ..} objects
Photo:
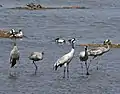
[
  {"x": 86, "y": 49},
  {"x": 73, "y": 46}
]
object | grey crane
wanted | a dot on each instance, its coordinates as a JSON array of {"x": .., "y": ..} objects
[
  {"x": 99, "y": 51},
  {"x": 14, "y": 55},
  {"x": 36, "y": 56},
  {"x": 83, "y": 56},
  {"x": 66, "y": 59}
]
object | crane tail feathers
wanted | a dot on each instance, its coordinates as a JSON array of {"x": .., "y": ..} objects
[
  {"x": 94, "y": 57},
  {"x": 13, "y": 62},
  {"x": 56, "y": 67}
]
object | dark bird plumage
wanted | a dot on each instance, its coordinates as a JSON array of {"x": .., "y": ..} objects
[{"x": 13, "y": 62}]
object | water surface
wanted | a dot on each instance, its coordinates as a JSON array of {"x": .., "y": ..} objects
[{"x": 99, "y": 22}]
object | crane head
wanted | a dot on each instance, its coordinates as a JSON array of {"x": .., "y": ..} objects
[{"x": 107, "y": 41}]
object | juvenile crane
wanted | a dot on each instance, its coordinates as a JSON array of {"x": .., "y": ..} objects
[
  {"x": 83, "y": 56},
  {"x": 66, "y": 59},
  {"x": 36, "y": 56}
]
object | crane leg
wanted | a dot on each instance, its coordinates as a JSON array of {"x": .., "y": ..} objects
[
  {"x": 82, "y": 67},
  {"x": 86, "y": 68},
  {"x": 35, "y": 67},
  {"x": 68, "y": 71},
  {"x": 64, "y": 72},
  {"x": 98, "y": 61}
]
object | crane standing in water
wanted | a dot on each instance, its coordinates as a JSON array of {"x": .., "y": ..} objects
[
  {"x": 36, "y": 56},
  {"x": 83, "y": 56},
  {"x": 65, "y": 59},
  {"x": 95, "y": 52},
  {"x": 14, "y": 59},
  {"x": 99, "y": 51},
  {"x": 14, "y": 55}
]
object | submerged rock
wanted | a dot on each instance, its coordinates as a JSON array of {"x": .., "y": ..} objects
[
  {"x": 33, "y": 6},
  {"x": 112, "y": 45}
]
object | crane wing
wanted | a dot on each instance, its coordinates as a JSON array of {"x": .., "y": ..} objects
[
  {"x": 64, "y": 59},
  {"x": 93, "y": 52}
]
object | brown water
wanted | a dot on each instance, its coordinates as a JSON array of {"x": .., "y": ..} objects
[{"x": 99, "y": 22}]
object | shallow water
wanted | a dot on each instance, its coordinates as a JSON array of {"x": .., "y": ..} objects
[{"x": 99, "y": 22}]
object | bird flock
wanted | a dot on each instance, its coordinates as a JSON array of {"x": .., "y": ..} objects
[
  {"x": 63, "y": 60},
  {"x": 94, "y": 52}
]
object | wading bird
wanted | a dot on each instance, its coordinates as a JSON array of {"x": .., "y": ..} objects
[
  {"x": 36, "y": 56},
  {"x": 65, "y": 60},
  {"x": 14, "y": 55},
  {"x": 99, "y": 51},
  {"x": 83, "y": 56}
]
